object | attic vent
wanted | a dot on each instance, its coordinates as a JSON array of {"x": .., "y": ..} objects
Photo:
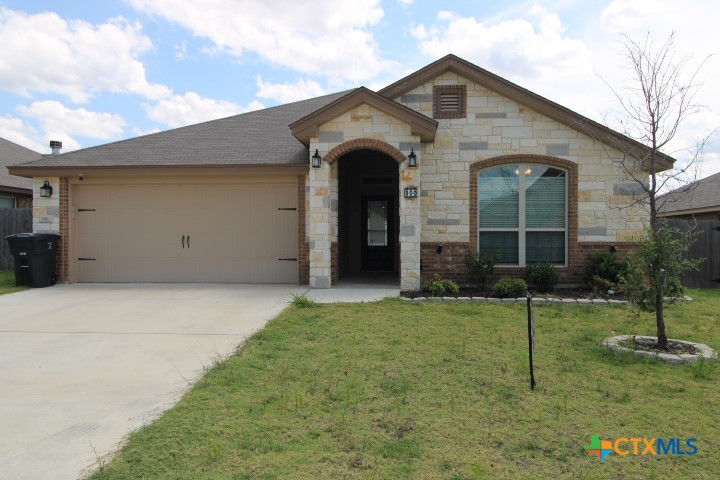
[{"x": 449, "y": 101}]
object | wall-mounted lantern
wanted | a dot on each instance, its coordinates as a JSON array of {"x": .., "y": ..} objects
[
  {"x": 412, "y": 159},
  {"x": 315, "y": 162},
  {"x": 46, "y": 190}
]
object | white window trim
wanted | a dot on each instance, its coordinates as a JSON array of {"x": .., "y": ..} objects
[{"x": 521, "y": 230}]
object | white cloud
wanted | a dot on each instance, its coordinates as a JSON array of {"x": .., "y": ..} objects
[
  {"x": 191, "y": 108},
  {"x": 524, "y": 47},
  {"x": 406, "y": 3},
  {"x": 61, "y": 123},
  {"x": 289, "y": 92},
  {"x": 17, "y": 131},
  {"x": 57, "y": 119},
  {"x": 313, "y": 36},
  {"x": 628, "y": 15},
  {"x": 46, "y": 53},
  {"x": 180, "y": 51}
]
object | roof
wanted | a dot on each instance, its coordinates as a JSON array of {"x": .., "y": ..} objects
[
  {"x": 308, "y": 126},
  {"x": 697, "y": 197},
  {"x": 261, "y": 137},
  {"x": 12, "y": 154},
  {"x": 279, "y": 136},
  {"x": 524, "y": 97}
]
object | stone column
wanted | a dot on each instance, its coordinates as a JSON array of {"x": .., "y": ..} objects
[
  {"x": 318, "y": 225},
  {"x": 410, "y": 226},
  {"x": 46, "y": 211}
]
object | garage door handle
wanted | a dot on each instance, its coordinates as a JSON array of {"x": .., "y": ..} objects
[
  {"x": 85, "y": 259},
  {"x": 188, "y": 241},
  {"x": 287, "y": 259},
  {"x": 183, "y": 241}
]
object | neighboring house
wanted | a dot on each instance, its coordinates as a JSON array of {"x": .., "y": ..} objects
[
  {"x": 15, "y": 192},
  {"x": 699, "y": 200},
  {"x": 239, "y": 199}
]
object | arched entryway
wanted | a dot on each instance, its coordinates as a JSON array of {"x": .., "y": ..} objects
[{"x": 368, "y": 216}]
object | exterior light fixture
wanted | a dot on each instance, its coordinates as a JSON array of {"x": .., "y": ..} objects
[
  {"x": 46, "y": 190},
  {"x": 412, "y": 159},
  {"x": 315, "y": 162}
]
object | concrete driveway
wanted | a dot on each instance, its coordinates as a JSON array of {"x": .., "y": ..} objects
[{"x": 83, "y": 365}]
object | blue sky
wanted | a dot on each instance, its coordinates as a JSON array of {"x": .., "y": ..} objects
[{"x": 89, "y": 73}]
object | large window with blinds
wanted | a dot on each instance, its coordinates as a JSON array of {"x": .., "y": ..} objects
[{"x": 522, "y": 213}]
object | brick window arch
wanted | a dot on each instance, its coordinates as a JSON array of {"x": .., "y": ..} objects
[{"x": 571, "y": 170}]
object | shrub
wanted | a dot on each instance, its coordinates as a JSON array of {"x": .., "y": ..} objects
[
  {"x": 511, "y": 288},
  {"x": 543, "y": 276},
  {"x": 438, "y": 287},
  {"x": 301, "y": 301},
  {"x": 481, "y": 266},
  {"x": 607, "y": 266}
]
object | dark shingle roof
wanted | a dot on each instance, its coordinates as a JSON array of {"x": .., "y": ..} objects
[
  {"x": 703, "y": 194},
  {"x": 12, "y": 154},
  {"x": 261, "y": 137}
]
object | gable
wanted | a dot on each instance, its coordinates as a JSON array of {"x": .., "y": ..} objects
[
  {"x": 310, "y": 126},
  {"x": 524, "y": 97}
]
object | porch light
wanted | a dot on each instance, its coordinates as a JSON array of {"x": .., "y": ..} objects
[
  {"x": 412, "y": 159},
  {"x": 316, "y": 159},
  {"x": 46, "y": 189}
]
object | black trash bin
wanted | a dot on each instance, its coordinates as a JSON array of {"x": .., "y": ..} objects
[{"x": 35, "y": 258}]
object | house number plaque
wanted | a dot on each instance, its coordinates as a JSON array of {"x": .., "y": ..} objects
[{"x": 411, "y": 192}]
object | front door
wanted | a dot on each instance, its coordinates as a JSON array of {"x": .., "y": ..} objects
[{"x": 378, "y": 245}]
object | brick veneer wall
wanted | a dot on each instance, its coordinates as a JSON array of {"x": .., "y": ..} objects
[
  {"x": 24, "y": 202},
  {"x": 334, "y": 265},
  {"x": 63, "y": 257},
  {"x": 448, "y": 264},
  {"x": 303, "y": 253}
]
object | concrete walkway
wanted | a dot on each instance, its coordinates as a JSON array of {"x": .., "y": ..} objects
[{"x": 83, "y": 365}]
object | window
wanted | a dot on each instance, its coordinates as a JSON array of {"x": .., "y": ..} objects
[
  {"x": 7, "y": 202},
  {"x": 449, "y": 101},
  {"x": 522, "y": 213}
]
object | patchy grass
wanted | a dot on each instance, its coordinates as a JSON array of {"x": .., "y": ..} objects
[
  {"x": 431, "y": 390},
  {"x": 7, "y": 283}
]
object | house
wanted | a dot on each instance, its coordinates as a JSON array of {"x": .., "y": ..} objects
[
  {"x": 449, "y": 159},
  {"x": 15, "y": 192},
  {"x": 698, "y": 201}
]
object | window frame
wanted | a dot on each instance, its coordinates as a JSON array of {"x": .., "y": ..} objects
[
  {"x": 439, "y": 90},
  {"x": 14, "y": 201},
  {"x": 522, "y": 229}
]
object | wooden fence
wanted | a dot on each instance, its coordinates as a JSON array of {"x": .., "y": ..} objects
[
  {"x": 707, "y": 246},
  {"x": 12, "y": 220}
]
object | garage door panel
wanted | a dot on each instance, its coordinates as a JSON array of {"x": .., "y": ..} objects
[{"x": 237, "y": 233}]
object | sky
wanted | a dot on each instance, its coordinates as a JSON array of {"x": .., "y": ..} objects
[{"x": 94, "y": 72}]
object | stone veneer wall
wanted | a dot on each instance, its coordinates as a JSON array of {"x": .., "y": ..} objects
[
  {"x": 494, "y": 127},
  {"x": 361, "y": 128},
  {"x": 46, "y": 211}
]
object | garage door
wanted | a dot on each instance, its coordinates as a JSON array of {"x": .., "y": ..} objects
[{"x": 187, "y": 233}]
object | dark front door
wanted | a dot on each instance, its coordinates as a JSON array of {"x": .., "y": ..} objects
[{"x": 378, "y": 243}]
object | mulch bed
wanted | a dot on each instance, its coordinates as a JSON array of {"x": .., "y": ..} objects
[
  {"x": 650, "y": 345},
  {"x": 488, "y": 293}
]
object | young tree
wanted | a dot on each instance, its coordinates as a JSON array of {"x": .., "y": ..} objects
[{"x": 651, "y": 110}]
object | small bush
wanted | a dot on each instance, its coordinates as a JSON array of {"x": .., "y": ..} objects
[
  {"x": 511, "y": 288},
  {"x": 301, "y": 301},
  {"x": 607, "y": 266},
  {"x": 481, "y": 266},
  {"x": 438, "y": 287},
  {"x": 543, "y": 276}
]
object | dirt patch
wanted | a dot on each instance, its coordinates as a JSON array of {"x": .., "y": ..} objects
[{"x": 650, "y": 345}]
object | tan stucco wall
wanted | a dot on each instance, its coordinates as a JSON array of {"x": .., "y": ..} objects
[{"x": 496, "y": 126}]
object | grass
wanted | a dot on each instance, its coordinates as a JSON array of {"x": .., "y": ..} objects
[
  {"x": 438, "y": 390},
  {"x": 7, "y": 283}
]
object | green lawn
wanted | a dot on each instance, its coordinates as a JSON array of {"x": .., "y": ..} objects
[
  {"x": 7, "y": 282},
  {"x": 394, "y": 390}
]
